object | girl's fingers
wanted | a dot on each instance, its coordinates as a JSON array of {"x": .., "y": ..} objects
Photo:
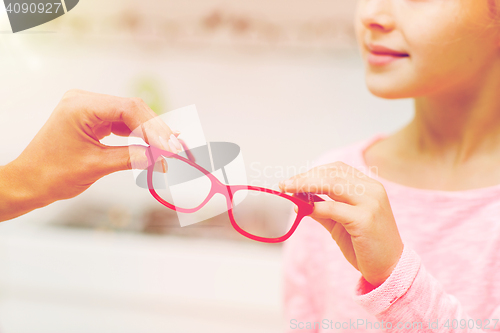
[
  {"x": 338, "y": 180},
  {"x": 329, "y": 224},
  {"x": 339, "y": 189},
  {"x": 341, "y": 237},
  {"x": 338, "y": 212}
]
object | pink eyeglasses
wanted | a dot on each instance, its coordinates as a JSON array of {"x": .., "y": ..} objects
[{"x": 259, "y": 213}]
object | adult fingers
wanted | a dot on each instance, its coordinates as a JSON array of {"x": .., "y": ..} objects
[
  {"x": 132, "y": 112},
  {"x": 121, "y": 129},
  {"x": 115, "y": 158}
]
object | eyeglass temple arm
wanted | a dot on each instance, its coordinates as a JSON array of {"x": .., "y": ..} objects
[
  {"x": 308, "y": 197},
  {"x": 190, "y": 155},
  {"x": 305, "y": 196}
]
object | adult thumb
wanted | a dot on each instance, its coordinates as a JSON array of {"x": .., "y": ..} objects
[{"x": 119, "y": 158}]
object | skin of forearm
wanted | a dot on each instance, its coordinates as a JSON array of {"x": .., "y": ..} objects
[{"x": 18, "y": 191}]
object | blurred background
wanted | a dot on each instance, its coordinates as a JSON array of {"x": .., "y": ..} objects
[{"x": 282, "y": 79}]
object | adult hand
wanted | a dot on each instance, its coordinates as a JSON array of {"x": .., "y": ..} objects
[
  {"x": 359, "y": 218},
  {"x": 66, "y": 156}
]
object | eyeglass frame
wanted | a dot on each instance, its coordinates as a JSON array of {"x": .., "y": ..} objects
[{"x": 304, "y": 201}]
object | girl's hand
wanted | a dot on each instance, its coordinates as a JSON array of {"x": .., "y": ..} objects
[{"x": 359, "y": 219}]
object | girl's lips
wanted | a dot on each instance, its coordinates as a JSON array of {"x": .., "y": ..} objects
[{"x": 379, "y": 59}]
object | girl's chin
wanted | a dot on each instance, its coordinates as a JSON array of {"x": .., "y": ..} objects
[
  {"x": 387, "y": 87},
  {"x": 389, "y": 92}
]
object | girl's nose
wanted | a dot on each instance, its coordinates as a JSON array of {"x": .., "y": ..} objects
[{"x": 376, "y": 14}]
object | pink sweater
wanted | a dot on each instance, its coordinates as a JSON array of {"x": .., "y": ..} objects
[{"x": 447, "y": 279}]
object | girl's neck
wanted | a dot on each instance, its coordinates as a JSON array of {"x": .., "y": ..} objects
[
  {"x": 457, "y": 126},
  {"x": 453, "y": 142}
]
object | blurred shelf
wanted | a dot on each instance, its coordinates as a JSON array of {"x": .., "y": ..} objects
[{"x": 291, "y": 26}]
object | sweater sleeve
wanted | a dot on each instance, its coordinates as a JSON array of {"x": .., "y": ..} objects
[{"x": 413, "y": 300}]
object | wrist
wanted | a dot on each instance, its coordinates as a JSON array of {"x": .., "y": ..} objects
[{"x": 380, "y": 279}]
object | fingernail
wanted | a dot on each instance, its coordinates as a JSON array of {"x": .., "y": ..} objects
[
  {"x": 177, "y": 133},
  {"x": 176, "y": 142},
  {"x": 172, "y": 147},
  {"x": 164, "y": 143},
  {"x": 284, "y": 184}
]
